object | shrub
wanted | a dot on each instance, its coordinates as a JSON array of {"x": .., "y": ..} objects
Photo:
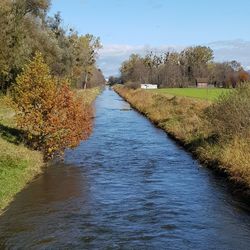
[
  {"x": 51, "y": 114},
  {"x": 132, "y": 85},
  {"x": 230, "y": 116},
  {"x": 69, "y": 121}
]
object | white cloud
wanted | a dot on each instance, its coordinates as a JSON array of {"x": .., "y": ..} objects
[
  {"x": 111, "y": 56},
  {"x": 232, "y": 50}
]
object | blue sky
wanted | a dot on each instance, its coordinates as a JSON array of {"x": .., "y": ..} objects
[{"x": 127, "y": 26}]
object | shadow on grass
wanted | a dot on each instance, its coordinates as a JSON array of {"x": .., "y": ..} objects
[
  {"x": 199, "y": 141},
  {"x": 12, "y": 135},
  {"x": 18, "y": 136}
]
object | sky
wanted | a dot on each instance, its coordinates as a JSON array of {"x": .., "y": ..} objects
[{"x": 139, "y": 26}]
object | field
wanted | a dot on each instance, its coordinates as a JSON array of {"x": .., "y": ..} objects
[{"x": 210, "y": 94}]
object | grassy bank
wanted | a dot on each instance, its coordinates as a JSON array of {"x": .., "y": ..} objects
[
  {"x": 184, "y": 119},
  {"x": 210, "y": 94},
  {"x": 89, "y": 95},
  {"x": 18, "y": 164}
]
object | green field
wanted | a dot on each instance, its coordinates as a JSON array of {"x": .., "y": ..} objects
[{"x": 210, "y": 94}]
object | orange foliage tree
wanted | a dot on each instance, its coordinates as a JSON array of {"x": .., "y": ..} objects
[
  {"x": 51, "y": 114},
  {"x": 243, "y": 76}
]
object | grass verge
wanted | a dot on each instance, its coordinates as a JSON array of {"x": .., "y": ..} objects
[
  {"x": 89, "y": 95},
  {"x": 18, "y": 164},
  {"x": 184, "y": 120}
]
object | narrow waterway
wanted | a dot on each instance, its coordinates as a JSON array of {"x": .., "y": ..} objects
[{"x": 127, "y": 187}]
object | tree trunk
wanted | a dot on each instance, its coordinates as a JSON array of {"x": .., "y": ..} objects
[{"x": 85, "y": 81}]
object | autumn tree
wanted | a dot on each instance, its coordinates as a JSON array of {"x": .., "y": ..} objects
[{"x": 50, "y": 113}]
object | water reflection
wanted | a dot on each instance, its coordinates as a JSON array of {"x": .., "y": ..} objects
[{"x": 40, "y": 209}]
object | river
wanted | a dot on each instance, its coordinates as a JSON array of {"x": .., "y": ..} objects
[{"x": 129, "y": 186}]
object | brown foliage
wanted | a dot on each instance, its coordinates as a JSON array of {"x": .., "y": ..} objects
[
  {"x": 51, "y": 114},
  {"x": 243, "y": 76},
  {"x": 69, "y": 121}
]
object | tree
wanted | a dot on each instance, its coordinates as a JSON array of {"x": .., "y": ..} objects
[
  {"x": 173, "y": 69},
  {"x": 96, "y": 79},
  {"x": 114, "y": 80},
  {"x": 37, "y": 8},
  {"x": 135, "y": 69},
  {"x": 25, "y": 29},
  {"x": 195, "y": 61},
  {"x": 170, "y": 71},
  {"x": 15, "y": 16},
  {"x": 243, "y": 76},
  {"x": 84, "y": 51},
  {"x": 50, "y": 114}
]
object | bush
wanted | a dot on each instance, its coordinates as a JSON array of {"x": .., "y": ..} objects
[
  {"x": 69, "y": 121},
  {"x": 132, "y": 85},
  {"x": 52, "y": 115},
  {"x": 230, "y": 116}
]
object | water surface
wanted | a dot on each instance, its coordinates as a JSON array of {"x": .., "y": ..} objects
[{"x": 128, "y": 187}]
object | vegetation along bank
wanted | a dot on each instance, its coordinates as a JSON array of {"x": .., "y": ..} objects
[
  {"x": 48, "y": 80},
  {"x": 217, "y": 133},
  {"x": 19, "y": 163}
]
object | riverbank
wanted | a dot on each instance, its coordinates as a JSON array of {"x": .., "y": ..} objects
[
  {"x": 183, "y": 119},
  {"x": 19, "y": 165}
]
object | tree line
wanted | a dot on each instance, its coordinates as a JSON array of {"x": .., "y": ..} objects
[
  {"x": 26, "y": 29},
  {"x": 42, "y": 65},
  {"x": 181, "y": 69}
]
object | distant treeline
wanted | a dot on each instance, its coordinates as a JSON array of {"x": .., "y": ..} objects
[
  {"x": 26, "y": 29},
  {"x": 184, "y": 69}
]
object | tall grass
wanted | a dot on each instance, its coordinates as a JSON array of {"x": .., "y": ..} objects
[
  {"x": 88, "y": 95},
  {"x": 203, "y": 128},
  {"x": 230, "y": 116}
]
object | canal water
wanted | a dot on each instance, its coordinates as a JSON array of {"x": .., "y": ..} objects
[{"x": 128, "y": 186}]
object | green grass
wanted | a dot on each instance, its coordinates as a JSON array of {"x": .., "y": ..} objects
[
  {"x": 210, "y": 94},
  {"x": 18, "y": 164}
]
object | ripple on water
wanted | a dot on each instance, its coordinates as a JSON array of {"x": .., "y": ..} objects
[{"x": 128, "y": 187}]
